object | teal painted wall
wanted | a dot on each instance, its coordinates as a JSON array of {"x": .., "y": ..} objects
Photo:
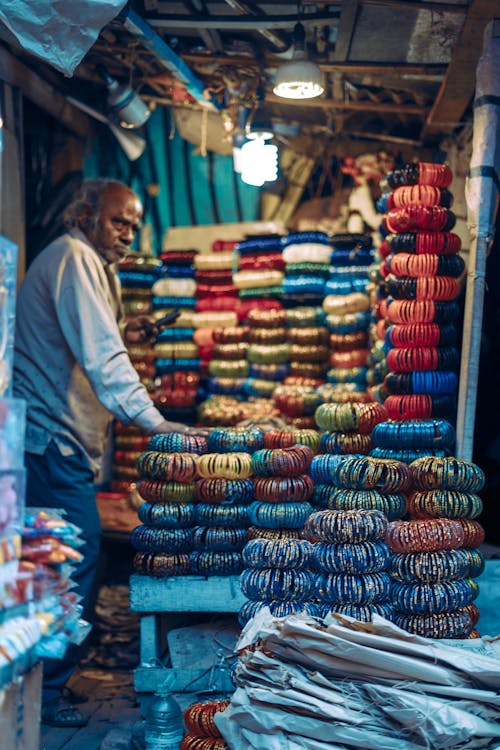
[{"x": 192, "y": 189}]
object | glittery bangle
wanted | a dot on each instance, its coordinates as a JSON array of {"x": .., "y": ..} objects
[
  {"x": 215, "y": 563},
  {"x": 210, "y": 514},
  {"x": 357, "y": 322},
  {"x": 282, "y": 462},
  {"x": 406, "y": 455},
  {"x": 430, "y": 567},
  {"x": 345, "y": 526},
  {"x": 259, "y": 532},
  {"x": 351, "y": 359},
  {"x": 284, "y": 515},
  {"x": 278, "y": 609},
  {"x": 266, "y": 318},
  {"x": 345, "y": 588},
  {"x": 289, "y": 490},
  {"x": 174, "y": 442},
  {"x": 285, "y": 439},
  {"x": 361, "y": 612},
  {"x": 219, "y": 538},
  {"x": 361, "y": 557},
  {"x": 219, "y": 490},
  {"x": 425, "y": 536},
  {"x": 308, "y": 353},
  {"x": 346, "y": 341},
  {"x": 354, "y": 417},
  {"x": 229, "y": 351},
  {"x": 228, "y": 368},
  {"x": 156, "y": 491},
  {"x": 280, "y": 553},
  {"x": 269, "y": 372},
  {"x": 432, "y": 598},
  {"x": 452, "y": 625},
  {"x": 180, "y": 467},
  {"x": 324, "y": 467},
  {"x": 340, "y": 375},
  {"x": 199, "y": 717},
  {"x": 161, "y": 565},
  {"x": 473, "y": 533},
  {"x": 267, "y": 336},
  {"x": 444, "y": 504},
  {"x": 230, "y": 334},
  {"x": 146, "y": 539},
  {"x": 262, "y": 354},
  {"x": 281, "y": 584},
  {"x": 367, "y": 473},
  {"x": 447, "y": 473},
  {"x": 195, "y": 742},
  {"x": 345, "y": 443},
  {"x": 304, "y": 317},
  {"x": 225, "y": 466},
  {"x": 167, "y": 515},
  {"x": 392, "y": 505},
  {"x": 337, "y": 304},
  {"x": 225, "y": 440},
  {"x": 308, "y": 369},
  {"x": 425, "y": 433}
]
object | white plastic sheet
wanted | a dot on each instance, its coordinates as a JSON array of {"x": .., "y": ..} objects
[
  {"x": 59, "y": 32},
  {"x": 307, "y": 686}
]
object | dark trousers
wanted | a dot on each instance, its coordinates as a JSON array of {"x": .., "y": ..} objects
[{"x": 67, "y": 482}]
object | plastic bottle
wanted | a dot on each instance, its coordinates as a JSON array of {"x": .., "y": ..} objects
[{"x": 164, "y": 727}]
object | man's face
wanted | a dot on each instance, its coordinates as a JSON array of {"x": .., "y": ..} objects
[{"x": 116, "y": 224}]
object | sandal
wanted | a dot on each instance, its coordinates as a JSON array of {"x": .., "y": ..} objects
[
  {"x": 59, "y": 713},
  {"x": 73, "y": 697}
]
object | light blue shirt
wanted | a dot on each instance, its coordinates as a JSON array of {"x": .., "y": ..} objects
[{"x": 70, "y": 362}]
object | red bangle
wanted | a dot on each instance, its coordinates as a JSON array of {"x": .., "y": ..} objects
[
  {"x": 425, "y": 195},
  {"x": 415, "y": 217}
]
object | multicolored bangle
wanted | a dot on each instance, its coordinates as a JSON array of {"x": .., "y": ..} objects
[
  {"x": 161, "y": 565},
  {"x": 361, "y": 557},
  {"x": 285, "y": 439},
  {"x": 156, "y": 491},
  {"x": 177, "y": 442},
  {"x": 215, "y": 563},
  {"x": 199, "y": 717},
  {"x": 259, "y": 532},
  {"x": 352, "y": 417},
  {"x": 345, "y": 443},
  {"x": 180, "y": 467},
  {"x": 420, "y": 598},
  {"x": 444, "y": 504},
  {"x": 167, "y": 515},
  {"x": 430, "y": 567},
  {"x": 439, "y": 243},
  {"x": 345, "y": 526},
  {"x": 290, "y": 490},
  {"x": 411, "y": 311},
  {"x": 280, "y": 515},
  {"x": 219, "y": 538},
  {"x": 282, "y": 462},
  {"x": 392, "y": 505},
  {"x": 449, "y": 473},
  {"x": 449, "y": 625},
  {"x": 147, "y": 539},
  {"x": 433, "y": 382},
  {"x": 210, "y": 514},
  {"x": 232, "y": 439},
  {"x": 425, "y": 536},
  {"x": 367, "y": 473}
]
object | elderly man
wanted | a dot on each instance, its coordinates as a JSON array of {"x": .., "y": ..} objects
[{"x": 72, "y": 368}]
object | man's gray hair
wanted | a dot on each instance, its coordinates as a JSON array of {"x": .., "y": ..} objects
[{"x": 87, "y": 201}]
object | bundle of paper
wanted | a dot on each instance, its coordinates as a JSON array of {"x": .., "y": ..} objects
[{"x": 349, "y": 684}]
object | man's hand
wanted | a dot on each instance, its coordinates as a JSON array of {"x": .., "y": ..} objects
[
  {"x": 140, "y": 330},
  {"x": 167, "y": 426}
]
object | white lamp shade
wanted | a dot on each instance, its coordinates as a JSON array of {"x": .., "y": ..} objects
[{"x": 298, "y": 79}]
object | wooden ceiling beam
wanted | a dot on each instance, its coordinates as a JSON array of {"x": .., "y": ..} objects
[
  {"x": 45, "y": 96},
  {"x": 457, "y": 89},
  {"x": 360, "y": 106}
]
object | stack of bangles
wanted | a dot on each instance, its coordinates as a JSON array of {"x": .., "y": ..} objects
[
  {"x": 278, "y": 553},
  {"x": 226, "y": 491},
  {"x": 424, "y": 195},
  {"x": 437, "y": 566},
  {"x": 225, "y": 466},
  {"x": 156, "y": 491},
  {"x": 345, "y": 588},
  {"x": 428, "y": 535},
  {"x": 230, "y": 440},
  {"x": 282, "y": 462},
  {"x": 290, "y": 490},
  {"x": 360, "y": 557},
  {"x": 407, "y": 312},
  {"x": 276, "y": 584},
  {"x": 215, "y": 563},
  {"x": 420, "y": 173},
  {"x": 422, "y": 358},
  {"x": 417, "y": 217},
  {"x": 199, "y": 721},
  {"x": 161, "y": 565},
  {"x": 279, "y": 515},
  {"x": 419, "y": 406},
  {"x": 177, "y": 442},
  {"x": 421, "y": 335},
  {"x": 426, "y": 264},
  {"x": 450, "y": 625},
  {"x": 432, "y": 433},
  {"x": 391, "y": 504},
  {"x": 345, "y": 526},
  {"x": 287, "y": 439},
  {"x": 424, "y": 288},
  {"x": 353, "y": 417},
  {"x": 420, "y": 598},
  {"x": 421, "y": 243},
  {"x": 180, "y": 467},
  {"x": 346, "y": 443},
  {"x": 367, "y": 473},
  {"x": 447, "y": 473}
]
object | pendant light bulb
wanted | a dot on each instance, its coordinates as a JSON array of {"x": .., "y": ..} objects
[{"x": 299, "y": 78}]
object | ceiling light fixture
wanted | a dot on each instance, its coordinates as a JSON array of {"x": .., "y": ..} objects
[{"x": 299, "y": 78}]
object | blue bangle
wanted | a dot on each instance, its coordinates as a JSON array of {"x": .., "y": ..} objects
[
  {"x": 215, "y": 563},
  {"x": 407, "y": 455},
  {"x": 393, "y": 504},
  {"x": 361, "y": 612},
  {"x": 345, "y": 526},
  {"x": 167, "y": 515},
  {"x": 425, "y": 433},
  {"x": 281, "y": 584},
  {"x": 231, "y": 439},
  {"x": 449, "y": 473},
  {"x": 361, "y": 557},
  {"x": 298, "y": 238},
  {"x": 345, "y": 588},
  {"x": 219, "y": 538},
  {"x": 432, "y": 598},
  {"x": 212, "y": 514},
  {"x": 450, "y": 625},
  {"x": 279, "y": 515},
  {"x": 146, "y": 539},
  {"x": 277, "y": 609},
  {"x": 277, "y": 553}
]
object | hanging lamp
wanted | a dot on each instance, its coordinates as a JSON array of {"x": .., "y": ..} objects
[{"x": 299, "y": 78}]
